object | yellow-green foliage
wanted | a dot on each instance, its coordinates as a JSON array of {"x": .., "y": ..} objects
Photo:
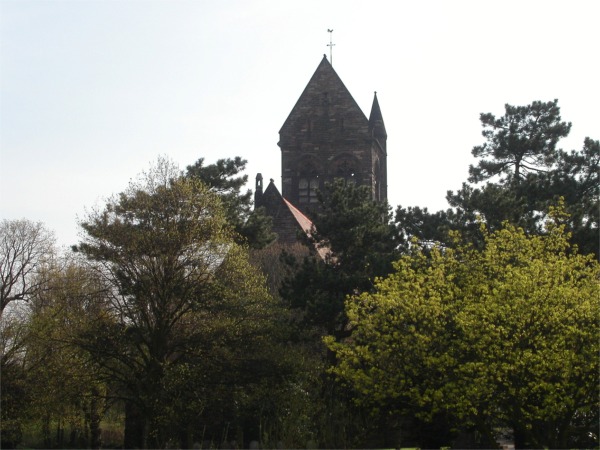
[{"x": 505, "y": 335}]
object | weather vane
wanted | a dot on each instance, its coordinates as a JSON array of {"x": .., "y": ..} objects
[{"x": 330, "y": 45}]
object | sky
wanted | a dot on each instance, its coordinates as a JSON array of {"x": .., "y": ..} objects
[{"x": 93, "y": 92}]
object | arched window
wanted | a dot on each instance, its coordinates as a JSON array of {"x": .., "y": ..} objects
[
  {"x": 307, "y": 189},
  {"x": 346, "y": 168}
]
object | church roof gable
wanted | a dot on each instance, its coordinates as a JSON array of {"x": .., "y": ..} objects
[
  {"x": 325, "y": 91},
  {"x": 287, "y": 218},
  {"x": 272, "y": 192}
]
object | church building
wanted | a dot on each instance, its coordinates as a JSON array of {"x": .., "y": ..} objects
[{"x": 325, "y": 136}]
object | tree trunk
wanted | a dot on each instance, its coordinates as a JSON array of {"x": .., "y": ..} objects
[
  {"x": 95, "y": 417},
  {"x": 521, "y": 437},
  {"x": 46, "y": 431},
  {"x": 60, "y": 434},
  {"x": 135, "y": 426}
]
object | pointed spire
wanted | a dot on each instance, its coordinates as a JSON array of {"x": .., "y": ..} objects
[
  {"x": 376, "y": 125},
  {"x": 324, "y": 83},
  {"x": 326, "y": 61}
]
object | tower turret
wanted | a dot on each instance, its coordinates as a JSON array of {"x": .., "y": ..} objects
[
  {"x": 258, "y": 190},
  {"x": 376, "y": 125}
]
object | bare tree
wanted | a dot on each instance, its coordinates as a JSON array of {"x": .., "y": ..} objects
[{"x": 25, "y": 247}]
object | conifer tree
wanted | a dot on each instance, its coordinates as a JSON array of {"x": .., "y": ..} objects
[
  {"x": 224, "y": 179},
  {"x": 520, "y": 173}
]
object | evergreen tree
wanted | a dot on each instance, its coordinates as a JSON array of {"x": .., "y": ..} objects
[
  {"x": 355, "y": 234},
  {"x": 520, "y": 150},
  {"x": 521, "y": 142},
  {"x": 356, "y": 243},
  {"x": 577, "y": 179},
  {"x": 224, "y": 179},
  {"x": 523, "y": 173}
]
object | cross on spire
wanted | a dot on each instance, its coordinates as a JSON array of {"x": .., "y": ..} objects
[{"x": 330, "y": 45}]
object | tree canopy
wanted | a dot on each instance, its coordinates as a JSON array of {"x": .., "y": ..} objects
[
  {"x": 63, "y": 388},
  {"x": 506, "y": 336},
  {"x": 360, "y": 241},
  {"x": 223, "y": 178},
  {"x": 25, "y": 248},
  {"x": 520, "y": 173},
  {"x": 187, "y": 307},
  {"x": 521, "y": 142},
  {"x": 441, "y": 328}
]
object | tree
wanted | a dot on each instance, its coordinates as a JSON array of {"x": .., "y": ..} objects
[
  {"x": 222, "y": 178},
  {"x": 521, "y": 142},
  {"x": 577, "y": 179},
  {"x": 360, "y": 245},
  {"x": 418, "y": 223},
  {"x": 186, "y": 304},
  {"x": 25, "y": 247},
  {"x": 275, "y": 268},
  {"x": 520, "y": 150},
  {"x": 573, "y": 176},
  {"x": 63, "y": 389},
  {"x": 354, "y": 233},
  {"x": 13, "y": 388},
  {"x": 503, "y": 336},
  {"x": 520, "y": 173}
]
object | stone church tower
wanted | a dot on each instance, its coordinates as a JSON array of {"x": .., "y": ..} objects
[{"x": 325, "y": 136}]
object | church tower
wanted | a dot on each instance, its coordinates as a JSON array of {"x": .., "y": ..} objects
[{"x": 327, "y": 136}]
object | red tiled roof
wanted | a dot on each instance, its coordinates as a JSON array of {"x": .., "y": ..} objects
[{"x": 307, "y": 226}]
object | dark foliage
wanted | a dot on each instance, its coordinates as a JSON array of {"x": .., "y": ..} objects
[{"x": 224, "y": 178}]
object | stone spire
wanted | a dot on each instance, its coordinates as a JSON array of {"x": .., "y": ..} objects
[{"x": 376, "y": 125}]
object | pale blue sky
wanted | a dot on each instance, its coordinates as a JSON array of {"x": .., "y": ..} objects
[{"x": 92, "y": 92}]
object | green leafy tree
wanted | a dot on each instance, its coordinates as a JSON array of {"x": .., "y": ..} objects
[
  {"x": 224, "y": 179},
  {"x": 186, "y": 304},
  {"x": 504, "y": 336},
  {"x": 13, "y": 388},
  {"x": 63, "y": 389}
]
